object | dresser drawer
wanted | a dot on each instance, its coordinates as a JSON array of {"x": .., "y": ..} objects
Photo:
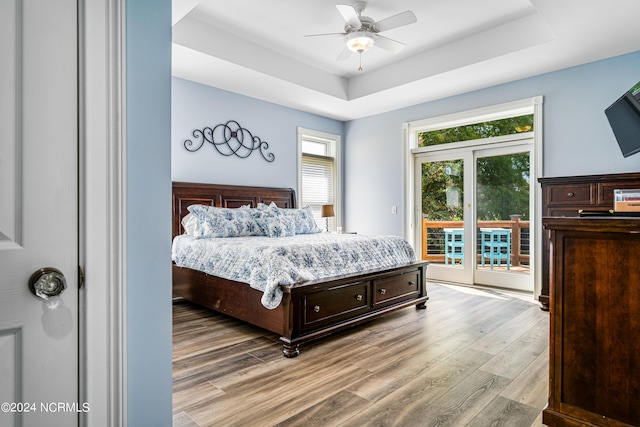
[
  {"x": 567, "y": 212},
  {"x": 571, "y": 194},
  {"x": 395, "y": 288},
  {"x": 331, "y": 304},
  {"x": 605, "y": 191}
]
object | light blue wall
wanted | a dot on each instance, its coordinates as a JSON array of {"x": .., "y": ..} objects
[
  {"x": 196, "y": 106},
  {"x": 577, "y": 137},
  {"x": 148, "y": 186}
]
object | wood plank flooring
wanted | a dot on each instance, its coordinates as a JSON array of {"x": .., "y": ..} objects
[{"x": 475, "y": 357}]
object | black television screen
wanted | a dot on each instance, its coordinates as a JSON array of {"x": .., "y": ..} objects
[{"x": 624, "y": 118}]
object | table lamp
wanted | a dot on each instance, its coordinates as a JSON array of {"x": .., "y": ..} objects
[{"x": 327, "y": 211}]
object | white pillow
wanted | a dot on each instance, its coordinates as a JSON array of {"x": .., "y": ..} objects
[{"x": 191, "y": 225}]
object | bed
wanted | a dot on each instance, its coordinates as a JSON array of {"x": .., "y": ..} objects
[{"x": 308, "y": 309}]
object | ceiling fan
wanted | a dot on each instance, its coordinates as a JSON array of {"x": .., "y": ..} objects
[{"x": 361, "y": 32}]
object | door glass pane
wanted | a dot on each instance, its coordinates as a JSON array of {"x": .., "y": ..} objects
[
  {"x": 502, "y": 206},
  {"x": 442, "y": 212}
]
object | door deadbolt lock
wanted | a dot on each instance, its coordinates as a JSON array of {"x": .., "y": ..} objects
[{"x": 47, "y": 282}]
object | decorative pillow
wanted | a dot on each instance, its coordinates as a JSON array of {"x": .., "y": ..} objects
[
  {"x": 191, "y": 224},
  {"x": 303, "y": 217},
  {"x": 225, "y": 222},
  {"x": 273, "y": 222}
]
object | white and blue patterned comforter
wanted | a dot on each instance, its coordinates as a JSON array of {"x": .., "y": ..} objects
[{"x": 265, "y": 263}]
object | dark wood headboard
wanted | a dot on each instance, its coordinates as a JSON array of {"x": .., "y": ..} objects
[{"x": 185, "y": 194}]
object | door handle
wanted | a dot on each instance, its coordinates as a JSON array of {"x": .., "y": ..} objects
[{"x": 47, "y": 282}]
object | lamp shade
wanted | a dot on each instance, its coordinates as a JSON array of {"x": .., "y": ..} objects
[{"x": 327, "y": 211}]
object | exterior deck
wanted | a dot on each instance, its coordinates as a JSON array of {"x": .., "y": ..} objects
[{"x": 433, "y": 241}]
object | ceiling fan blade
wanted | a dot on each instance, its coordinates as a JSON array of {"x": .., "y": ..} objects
[
  {"x": 386, "y": 43},
  {"x": 350, "y": 15},
  {"x": 345, "y": 54},
  {"x": 395, "y": 21},
  {"x": 326, "y": 34}
]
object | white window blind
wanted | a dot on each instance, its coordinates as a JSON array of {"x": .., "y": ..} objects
[
  {"x": 318, "y": 185},
  {"x": 319, "y": 180}
]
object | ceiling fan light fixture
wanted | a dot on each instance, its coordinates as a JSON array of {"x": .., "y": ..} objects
[{"x": 360, "y": 41}]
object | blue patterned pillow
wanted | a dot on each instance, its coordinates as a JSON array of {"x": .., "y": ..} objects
[
  {"x": 303, "y": 217},
  {"x": 273, "y": 222},
  {"x": 225, "y": 222}
]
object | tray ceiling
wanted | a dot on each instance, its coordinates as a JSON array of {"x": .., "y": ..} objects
[{"x": 259, "y": 49}]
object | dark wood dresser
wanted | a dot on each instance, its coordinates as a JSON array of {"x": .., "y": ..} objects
[
  {"x": 594, "y": 370},
  {"x": 566, "y": 196}
]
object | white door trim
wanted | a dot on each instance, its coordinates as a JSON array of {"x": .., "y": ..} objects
[
  {"x": 410, "y": 132},
  {"x": 103, "y": 299}
]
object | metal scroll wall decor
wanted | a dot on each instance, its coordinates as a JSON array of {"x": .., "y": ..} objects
[{"x": 230, "y": 139}]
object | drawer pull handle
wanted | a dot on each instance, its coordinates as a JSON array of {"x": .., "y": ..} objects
[
  {"x": 570, "y": 194},
  {"x": 383, "y": 291},
  {"x": 358, "y": 297},
  {"x": 316, "y": 308},
  {"x": 412, "y": 283}
]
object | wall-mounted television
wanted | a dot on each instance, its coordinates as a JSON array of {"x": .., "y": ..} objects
[{"x": 624, "y": 118}]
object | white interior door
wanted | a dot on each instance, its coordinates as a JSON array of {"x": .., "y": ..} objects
[{"x": 38, "y": 212}]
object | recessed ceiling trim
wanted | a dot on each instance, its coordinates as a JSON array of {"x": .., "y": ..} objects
[
  {"x": 193, "y": 65},
  {"x": 180, "y": 9},
  {"x": 196, "y": 35},
  {"x": 511, "y": 37}
]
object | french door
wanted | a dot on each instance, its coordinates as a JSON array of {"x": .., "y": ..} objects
[
  {"x": 443, "y": 192},
  {"x": 475, "y": 207}
]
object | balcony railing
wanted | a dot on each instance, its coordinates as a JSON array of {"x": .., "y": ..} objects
[{"x": 433, "y": 238}]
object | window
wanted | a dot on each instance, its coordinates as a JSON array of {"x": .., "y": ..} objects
[
  {"x": 467, "y": 132},
  {"x": 318, "y": 176}
]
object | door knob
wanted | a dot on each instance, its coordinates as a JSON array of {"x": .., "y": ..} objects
[{"x": 47, "y": 282}]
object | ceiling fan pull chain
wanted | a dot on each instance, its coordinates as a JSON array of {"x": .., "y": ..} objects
[{"x": 360, "y": 68}]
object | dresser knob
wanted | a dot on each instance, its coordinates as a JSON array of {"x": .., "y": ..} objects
[
  {"x": 412, "y": 283},
  {"x": 570, "y": 194},
  {"x": 358, "y": 297},
  {"x": 316, "y": 308},
  {"x": 383, "y": 291}
]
